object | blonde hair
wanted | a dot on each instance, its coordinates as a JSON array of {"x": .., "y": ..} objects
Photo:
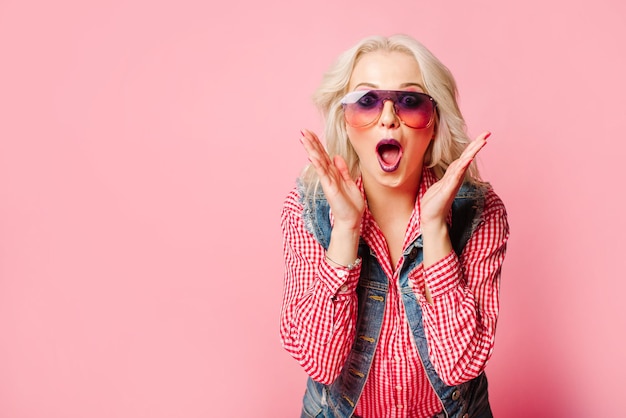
[{"x": 450, "y": 133}]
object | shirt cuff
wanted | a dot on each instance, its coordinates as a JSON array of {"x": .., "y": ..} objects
[
  {"x": 444, "y": 275},
  {"x": 340, "y": 281}
]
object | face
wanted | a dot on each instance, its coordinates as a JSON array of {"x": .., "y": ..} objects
[{"x": 390, "y": 152}]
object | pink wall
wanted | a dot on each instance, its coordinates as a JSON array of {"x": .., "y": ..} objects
[{"x": 146, "y": 147}]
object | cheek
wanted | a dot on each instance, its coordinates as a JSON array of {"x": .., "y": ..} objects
[
  {"x": 351, "y": 132},
  {"x": 362, "y": 141},
  {"x": 355, "y": 138},
  {"x": 432, "y": 131},
  {"x": 421, "y": 143}
]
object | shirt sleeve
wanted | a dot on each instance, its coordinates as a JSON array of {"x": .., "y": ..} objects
[
  {"x": 460, "y": 323},
  {"x": 319, "y": 308}
]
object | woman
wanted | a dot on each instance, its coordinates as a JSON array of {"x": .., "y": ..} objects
[{"x": 393, "y": 245}]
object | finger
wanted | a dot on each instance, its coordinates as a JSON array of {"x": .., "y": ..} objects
[
  {"x": 310, "y": 141},
  {"x": 453, "y": 178},
  {"x": 315, "y": 156},
  {"x": 314, "y": 147},
  {"x": 475, "y": 146},
  {"x": 341, "y": 165},
  {"x": 457, "y": 169},
  {"x": 485, "y": 135},
  {"x": 313, "y": 139},
  {"x": 319, "y": 158},
  {"x": 461, "y": 165},
  {"x": 310, "y": 137}
]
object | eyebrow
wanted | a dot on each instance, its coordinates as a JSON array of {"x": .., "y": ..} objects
[{"x": 403, "y": 85}]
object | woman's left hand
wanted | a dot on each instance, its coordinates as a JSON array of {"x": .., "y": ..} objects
[{"x": 437, "y": 201}]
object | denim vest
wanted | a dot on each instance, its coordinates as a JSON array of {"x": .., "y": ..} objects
[{"x": 339, "y": 399}]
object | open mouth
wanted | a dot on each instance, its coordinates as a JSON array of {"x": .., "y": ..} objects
[{"x": 389, "y": 154}]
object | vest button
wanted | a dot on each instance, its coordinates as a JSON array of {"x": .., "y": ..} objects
[
  {"x": 413, "y": 253},
  {"x": 456, "y": 395}
]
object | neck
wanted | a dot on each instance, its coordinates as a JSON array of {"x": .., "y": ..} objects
[{"x": 386, "y": 201}]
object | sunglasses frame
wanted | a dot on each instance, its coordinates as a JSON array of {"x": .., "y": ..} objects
[{"x": 353, "y": 97}]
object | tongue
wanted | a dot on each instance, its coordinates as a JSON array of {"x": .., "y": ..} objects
[{"x": 389, "y": 154}]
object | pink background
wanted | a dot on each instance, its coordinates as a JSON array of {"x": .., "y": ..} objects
[{"x": 145, "y": 151}]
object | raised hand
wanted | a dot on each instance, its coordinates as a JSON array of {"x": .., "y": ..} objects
[
  {"x": 437, "y": 201},
  {"x": 344, "y": 197}
]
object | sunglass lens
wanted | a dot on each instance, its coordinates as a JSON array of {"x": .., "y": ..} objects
[
  {"x": 362, "y": 108},
  {"x": 415, "y": 109}
]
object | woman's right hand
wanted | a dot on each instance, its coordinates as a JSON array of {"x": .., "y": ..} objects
[{"x": 343, "y": 195}]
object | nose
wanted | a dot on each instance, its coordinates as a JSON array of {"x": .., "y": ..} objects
[{"x": 388, "y": 117}]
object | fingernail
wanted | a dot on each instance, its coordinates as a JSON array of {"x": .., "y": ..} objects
[{"x": 488, "y": 135}]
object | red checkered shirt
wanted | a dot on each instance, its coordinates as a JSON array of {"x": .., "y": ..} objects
[{"x": 319, "y": 310}]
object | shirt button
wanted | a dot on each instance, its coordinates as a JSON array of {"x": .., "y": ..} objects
[
  {"x": 397, "y": 358},
  {"x": 399, "y": 387},
  {"x": 344, "y": 288},
  {"x": 341, "y": 274},
  {"x": 399, "y": 406}
]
